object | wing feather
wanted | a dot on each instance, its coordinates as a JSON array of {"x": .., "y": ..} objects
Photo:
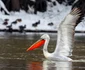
[{"x": 66, "y": 33}]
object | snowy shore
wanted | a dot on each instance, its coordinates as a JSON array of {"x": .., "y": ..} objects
[{"x": 48, "y": 21}]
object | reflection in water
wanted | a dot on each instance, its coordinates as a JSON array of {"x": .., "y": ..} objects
[
  {"x": 13, "y": 55},
  {"x": 49, "y": 65},
  {"x": 54, "y": 65},
  {"x": 34, "y": 66}
]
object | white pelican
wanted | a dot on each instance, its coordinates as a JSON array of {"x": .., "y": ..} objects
[{"x": 65, "y": 38}]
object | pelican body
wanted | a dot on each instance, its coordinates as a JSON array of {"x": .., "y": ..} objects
[{"x": 65, "y": 38}]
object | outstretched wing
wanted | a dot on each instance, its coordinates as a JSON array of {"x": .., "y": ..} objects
[
  {"x": 66, "y": 33},
  {"x": 72, "y": 17}
]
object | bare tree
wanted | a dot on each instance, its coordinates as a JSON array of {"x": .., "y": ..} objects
[{"x": 15, "y": 5}]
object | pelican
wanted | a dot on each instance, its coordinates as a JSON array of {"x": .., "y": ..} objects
[{"x": 65, "y": 38}]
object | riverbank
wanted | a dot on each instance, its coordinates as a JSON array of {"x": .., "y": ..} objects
[
  {"x": 35, "y": 31},
  {"x": 42, "y": 22}
]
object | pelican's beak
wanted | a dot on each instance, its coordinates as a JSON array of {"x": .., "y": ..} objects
[{"x": 36, "y": 45}]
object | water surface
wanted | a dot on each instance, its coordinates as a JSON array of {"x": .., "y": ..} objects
[{"x": 13, "y": 55}]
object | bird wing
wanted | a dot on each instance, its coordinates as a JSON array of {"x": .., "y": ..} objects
[
  {"x": 72, "y": 17},
  {"x": 66, "y": 33}
]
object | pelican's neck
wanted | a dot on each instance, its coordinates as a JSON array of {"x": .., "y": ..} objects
[{"x": 45, "y": 48}]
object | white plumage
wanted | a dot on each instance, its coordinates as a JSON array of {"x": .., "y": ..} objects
[{"x": 65, "y": 38}]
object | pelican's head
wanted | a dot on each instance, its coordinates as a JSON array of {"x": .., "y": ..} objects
[
  {"x": 40, "y": 42},
  {"x": 45, "y": 36}
]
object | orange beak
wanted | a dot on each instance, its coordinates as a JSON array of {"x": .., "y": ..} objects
[{"x": 36, "y": 45}]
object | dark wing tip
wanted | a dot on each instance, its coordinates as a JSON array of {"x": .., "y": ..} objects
[{"x": 75, "y": 11}]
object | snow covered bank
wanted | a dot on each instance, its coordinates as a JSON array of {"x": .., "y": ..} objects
[{"x": 48, "y": 20}]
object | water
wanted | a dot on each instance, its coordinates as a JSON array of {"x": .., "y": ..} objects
[{"x": 13, "y": 55}]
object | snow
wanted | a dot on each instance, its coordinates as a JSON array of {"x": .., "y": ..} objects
[{"x": 54, "y": 14}]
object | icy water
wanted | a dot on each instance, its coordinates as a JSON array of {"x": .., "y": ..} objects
[{"x": 13, "y": 55}]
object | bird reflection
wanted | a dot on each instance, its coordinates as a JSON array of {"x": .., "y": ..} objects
[
  {"x": 34, "y": 66},
  {"x": 49, "y": 65},
  {"x": 54, "y": 65}
]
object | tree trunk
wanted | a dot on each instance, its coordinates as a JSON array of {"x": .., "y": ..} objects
[{"x": 15, "y": 5}]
